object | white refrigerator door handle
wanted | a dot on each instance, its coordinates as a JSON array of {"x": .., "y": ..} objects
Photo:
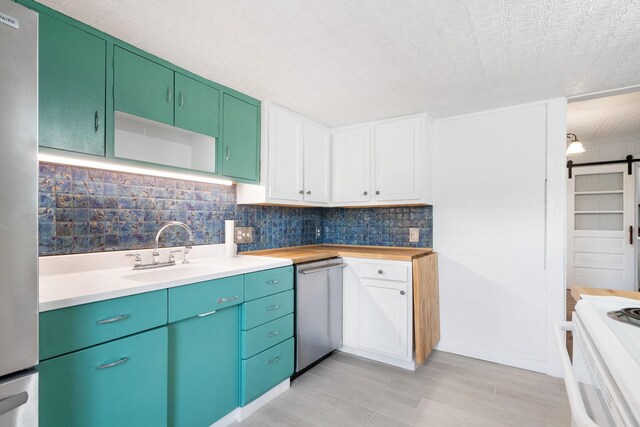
[{"x": 579, "y": 415}]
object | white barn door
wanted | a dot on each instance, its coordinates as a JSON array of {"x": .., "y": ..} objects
[{"x": 601, "y": 219}]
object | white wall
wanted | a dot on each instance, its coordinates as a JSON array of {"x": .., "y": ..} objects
[{"x": 499, "y": 219}]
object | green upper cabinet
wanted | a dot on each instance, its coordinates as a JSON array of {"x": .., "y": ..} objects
[
  {"x": 72, "y": 88},
  {"x": 196, "y": 106},
  {"x": 240, "y": 139},
  {"x": 142, "y": 88}
]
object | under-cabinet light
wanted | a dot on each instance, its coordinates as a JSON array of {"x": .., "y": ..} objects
[{"x": 86, "y": 163}]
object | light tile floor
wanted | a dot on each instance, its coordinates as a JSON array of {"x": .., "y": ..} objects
[{"x": 448, "y": 390}]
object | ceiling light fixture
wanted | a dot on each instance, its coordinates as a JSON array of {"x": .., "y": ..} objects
[
  {"x": 112, "y": 166},
  {"x": 575, "y": 146}
]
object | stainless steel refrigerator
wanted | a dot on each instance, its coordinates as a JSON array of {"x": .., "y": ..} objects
[{"x": 18, "y": 215}]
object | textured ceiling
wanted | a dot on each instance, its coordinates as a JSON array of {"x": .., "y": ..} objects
[
  {"x": 347, "y": 61},
  {"x": 605, "y": 118}
]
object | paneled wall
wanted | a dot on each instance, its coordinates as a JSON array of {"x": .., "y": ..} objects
[
  {"x": 489, "y": 224},
  {"x": 87, "y": 210}
]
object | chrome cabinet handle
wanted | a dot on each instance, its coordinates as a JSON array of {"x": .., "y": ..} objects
[
  {"x": 402, "y": 292},
  {"x": 227, "y": 299},
  {"x": 273, "y": 334},
  {"x": 112, "y": 319},
  {"x": 10, "y": 403},
  {"x": 96, "y": 121},
  {"x": 272, "y": 282},
  {"x": 208, "y": 313},
  {"x": 365, "y": 193},
  {"x": 181, "y": 101},
  {"x": 309, "y": 192},
  {"x": 377, "y": 193},
  {"x": 380, "y": 272},
  {"x": 228, "y": 155},
  {"x": 112, "y": 364},
  {"x": 169, "y": 95},
  {"x": 273, "y": 307},
  {"x": 272, "y": 360},
  {"x": 301, "y": 192}
]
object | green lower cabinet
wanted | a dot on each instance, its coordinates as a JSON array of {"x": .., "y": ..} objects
[
  {"x": 72, "y": 97},
  {"x": 120, "y": 383},
  {"x": 240, "y": 139},
  {"x": 266, "y": 370},
  {"x": 204, "y": 360}
]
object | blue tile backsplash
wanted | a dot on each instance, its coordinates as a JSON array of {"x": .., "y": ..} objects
[{"x": 90, "y": 210}]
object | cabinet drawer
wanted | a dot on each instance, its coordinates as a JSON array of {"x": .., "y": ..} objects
[
  {"x": 266, "y": 370},
  {"x": 383, "y": 271},
  {"x": 120, "y": 383},
  {"x": 267, "y": 282},
  {"x": 204, "y": 297},
  {"x": 69, "y": 329},
  {"x": 262, "y": 337},
  {"x": 263, "y": 310}
]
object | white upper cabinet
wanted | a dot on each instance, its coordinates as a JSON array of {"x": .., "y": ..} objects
[
  {"x": 398, "y": 154},
  {"x": 317, "y": 163},
  {"x": 371, "y": 164},
  {"x": 352, "y": 165},
  {"x": 296, "y": 161},
  {"x": 285, "y": 155},
  {"x": 383, "y": 163}
]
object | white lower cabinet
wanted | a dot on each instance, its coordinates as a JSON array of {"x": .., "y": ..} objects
[{"x": 378, "y": 311}]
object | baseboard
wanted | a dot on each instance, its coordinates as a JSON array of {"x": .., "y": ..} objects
[
  {"x": 483, "y": 353},
  {"x": 400, "y": 363},
  {"x": 228, "y": 419},
  {"x": 241, "y": 414},
  {"x": 249, "y": 409}
]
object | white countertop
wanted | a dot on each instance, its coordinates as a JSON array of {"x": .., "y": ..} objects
[
  {"x": 69, "y": 280},
  {"x": 618, "y": 343}
]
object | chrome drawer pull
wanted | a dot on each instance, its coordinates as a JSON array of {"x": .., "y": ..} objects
[
  {"x": 273, "y": 307},
  {"x": 273, "y": 282},
  {"x": 112, "y": 364},
  {"x": 227, "y": 299},
  {"x": 113, "y": 319},
  {"x": 272, "y": 334},
  {"x": 272, "y": 360},
  {"x": 208, "y": 313}
]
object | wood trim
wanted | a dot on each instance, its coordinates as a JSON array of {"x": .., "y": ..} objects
[{"x": 426, "y": 306}]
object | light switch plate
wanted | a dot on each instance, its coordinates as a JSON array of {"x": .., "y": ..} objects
[
  {"x": 244, "y": 235},
  {"x": 414, "y": 235}
]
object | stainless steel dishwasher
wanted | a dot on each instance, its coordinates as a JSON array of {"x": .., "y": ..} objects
[{"x": 318, "y": 310}]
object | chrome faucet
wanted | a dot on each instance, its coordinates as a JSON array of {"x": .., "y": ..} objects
[
  {"x": 137, "y": 263},
  {"x": 156, "y": 254}
]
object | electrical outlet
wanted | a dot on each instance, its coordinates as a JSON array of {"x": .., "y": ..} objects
[
  {"x": 414, "y": 235},
  {"x": 244, "y": 235}
]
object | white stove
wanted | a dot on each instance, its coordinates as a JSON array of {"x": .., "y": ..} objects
[{"x": 605, "y": 374}]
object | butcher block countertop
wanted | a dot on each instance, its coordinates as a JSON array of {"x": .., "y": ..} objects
[
  {"x": 576, "y": 291},
  {"x": 300, "y": 254}
]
